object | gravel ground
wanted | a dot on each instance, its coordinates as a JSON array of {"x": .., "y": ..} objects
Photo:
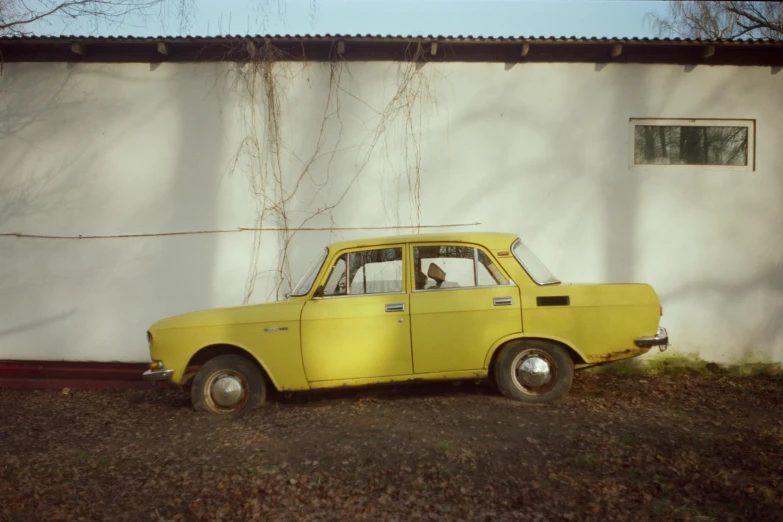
[{"x": 618, "y": 448}]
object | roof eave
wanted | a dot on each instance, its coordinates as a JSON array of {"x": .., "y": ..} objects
[{"x": 393, "y": 48}]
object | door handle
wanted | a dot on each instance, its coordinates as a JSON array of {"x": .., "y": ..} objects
[
  {"x": 395, "y": 307},
  {"x": 502, "y": 301}
]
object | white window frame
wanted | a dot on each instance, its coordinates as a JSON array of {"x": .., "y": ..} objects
[{"x": 693, "y": 122}]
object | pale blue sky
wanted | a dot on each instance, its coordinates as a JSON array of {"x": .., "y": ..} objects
[{"x": 623, "y": 18}]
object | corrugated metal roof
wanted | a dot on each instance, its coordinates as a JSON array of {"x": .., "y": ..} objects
[
  {"x": 389, "y": 38},
  {"x": 358, "y": 47}
]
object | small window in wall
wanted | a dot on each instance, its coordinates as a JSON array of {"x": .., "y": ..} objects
[{"x": 725, "y": 144}]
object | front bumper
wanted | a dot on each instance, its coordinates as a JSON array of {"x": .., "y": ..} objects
[
  {"x": 661, "y": 340},
  {"x": 158, "y": 375}
]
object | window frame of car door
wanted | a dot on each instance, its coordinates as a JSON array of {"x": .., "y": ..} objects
[
  {"x": 412, "y": 274},
  {"x": 328, "y": 267}
]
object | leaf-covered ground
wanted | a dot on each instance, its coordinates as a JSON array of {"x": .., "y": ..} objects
[{"x": 618, "y": 448}]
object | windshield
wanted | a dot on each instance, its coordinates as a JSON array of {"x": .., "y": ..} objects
[
  {"x": 307, "y": 281},
  {"x": 535, "y": 268}
]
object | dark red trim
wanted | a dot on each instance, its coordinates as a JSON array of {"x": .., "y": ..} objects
[{"x": 56, "y": 375}]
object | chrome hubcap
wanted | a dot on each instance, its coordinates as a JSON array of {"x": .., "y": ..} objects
[
  {"x": 227, "y": 391},
  {"x": 533, "y": 372}
]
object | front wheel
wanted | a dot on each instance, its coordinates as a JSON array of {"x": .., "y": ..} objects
[
  {"x": 228, "y": 385},
  {"x": 534, "y": 371}
]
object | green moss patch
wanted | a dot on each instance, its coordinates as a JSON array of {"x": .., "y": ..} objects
[{"x": 689, "y": 364}]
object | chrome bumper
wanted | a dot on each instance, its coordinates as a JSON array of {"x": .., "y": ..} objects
[
  {"x": 157, "y": 375},
  {"x": 661, "y": 340}
]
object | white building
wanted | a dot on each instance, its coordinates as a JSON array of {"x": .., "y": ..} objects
[{"x": 657, "y": 161}]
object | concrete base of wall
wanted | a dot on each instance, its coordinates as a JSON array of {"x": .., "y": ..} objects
[{"x": 57, "y": 375}]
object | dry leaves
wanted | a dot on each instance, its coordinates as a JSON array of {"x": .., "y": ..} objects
[{"x": 680, "y": 448}]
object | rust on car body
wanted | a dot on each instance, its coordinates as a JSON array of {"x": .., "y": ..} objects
[{"x": 617, "y": 355}]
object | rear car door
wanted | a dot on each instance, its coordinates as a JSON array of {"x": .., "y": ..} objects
[{"x": 461, "y": 304}]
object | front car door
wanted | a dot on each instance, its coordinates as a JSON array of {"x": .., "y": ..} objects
[
  {"x": 461, "y": 304},
  {"x": 360, "y": 327}
]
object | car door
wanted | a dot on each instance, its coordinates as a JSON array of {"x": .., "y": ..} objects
[
  {"x": 461, "y": 304},
  {"x": 359, "y": 328}
]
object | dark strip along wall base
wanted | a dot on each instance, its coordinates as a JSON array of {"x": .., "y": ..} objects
[{"x": 58, "y": 375}]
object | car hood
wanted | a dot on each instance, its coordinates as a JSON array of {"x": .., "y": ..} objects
[{"x": 255, "y": 313}]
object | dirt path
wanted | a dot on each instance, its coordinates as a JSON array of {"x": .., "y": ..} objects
[{"x": 618, "y": 448}]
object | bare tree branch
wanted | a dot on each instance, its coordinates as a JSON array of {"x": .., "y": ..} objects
[
  {"x": 727, "y": 20},
  {"x": 19, "y": 17},
  {"x": 758, "y": 18}
]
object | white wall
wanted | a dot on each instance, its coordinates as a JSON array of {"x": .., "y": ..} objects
[{"x": 537, "y": 149}]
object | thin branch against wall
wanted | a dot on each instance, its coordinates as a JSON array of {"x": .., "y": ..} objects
[
  {"x": 241, "y": 229},
  {"x": 411, "y": 101},
  {"x": 259, "y": 153},
  {"x": 262, "y": 80}
]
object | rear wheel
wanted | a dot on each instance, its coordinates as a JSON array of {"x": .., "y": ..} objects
[
  {"x": 533, "y": 371},
  {"x": 228, "y": 385}
]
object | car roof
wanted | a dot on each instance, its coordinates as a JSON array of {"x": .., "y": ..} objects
[{"x": 491, "y": 240}]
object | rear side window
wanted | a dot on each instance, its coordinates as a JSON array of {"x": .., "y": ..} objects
[
  {"x": 534, "y": 268},
  {"x": 439, "y": 267}
]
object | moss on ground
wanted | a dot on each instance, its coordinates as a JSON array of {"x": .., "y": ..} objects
[{"x": 673, "y": 363}]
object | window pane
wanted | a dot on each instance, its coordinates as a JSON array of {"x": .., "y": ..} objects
[
  {"x": 370, "y": 272},
  {"x": 307, "y": 280},
  {"x": 687, "y": 145},
  {"x": 535, "y": 268},
  {"x": 335, "y": 285},
  {"x": 376, "y": 271},
  {"x": 444, "y": 267},
  {"x": 488, "y": 273}
]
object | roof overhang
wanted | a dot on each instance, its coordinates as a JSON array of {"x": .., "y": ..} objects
[{"x": 390, "y": 48}]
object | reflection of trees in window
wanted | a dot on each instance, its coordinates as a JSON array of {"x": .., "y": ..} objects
[
  {"x": 368, "y": 272},
  {"x": 690, "y": 145},
  {"x": 432, "y": 252}
]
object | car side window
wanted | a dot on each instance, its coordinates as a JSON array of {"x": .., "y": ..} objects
[
  {"x": 488, "y": 273},
  {"x": 336, "y": 285},
  {"x": 446, "y": 266},
  {"x": 366, "y": 272}
]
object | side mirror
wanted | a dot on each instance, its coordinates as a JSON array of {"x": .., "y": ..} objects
[{"x": 319, "y": 292}]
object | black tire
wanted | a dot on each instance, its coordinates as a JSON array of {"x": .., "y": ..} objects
[
  {"x": 513, "y": 385},
  {"x": 242, "y": 372}
]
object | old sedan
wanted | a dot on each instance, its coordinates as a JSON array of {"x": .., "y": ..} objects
[{"x": 409, "y": 308}]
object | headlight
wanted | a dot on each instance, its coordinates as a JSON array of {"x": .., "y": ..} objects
[{"x": 156, "y": 365}]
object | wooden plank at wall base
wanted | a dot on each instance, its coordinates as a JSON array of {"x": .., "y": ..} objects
[{"x": 56, "y": 375}]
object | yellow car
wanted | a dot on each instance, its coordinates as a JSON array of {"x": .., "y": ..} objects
[{"x": 409, "y": 308}]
